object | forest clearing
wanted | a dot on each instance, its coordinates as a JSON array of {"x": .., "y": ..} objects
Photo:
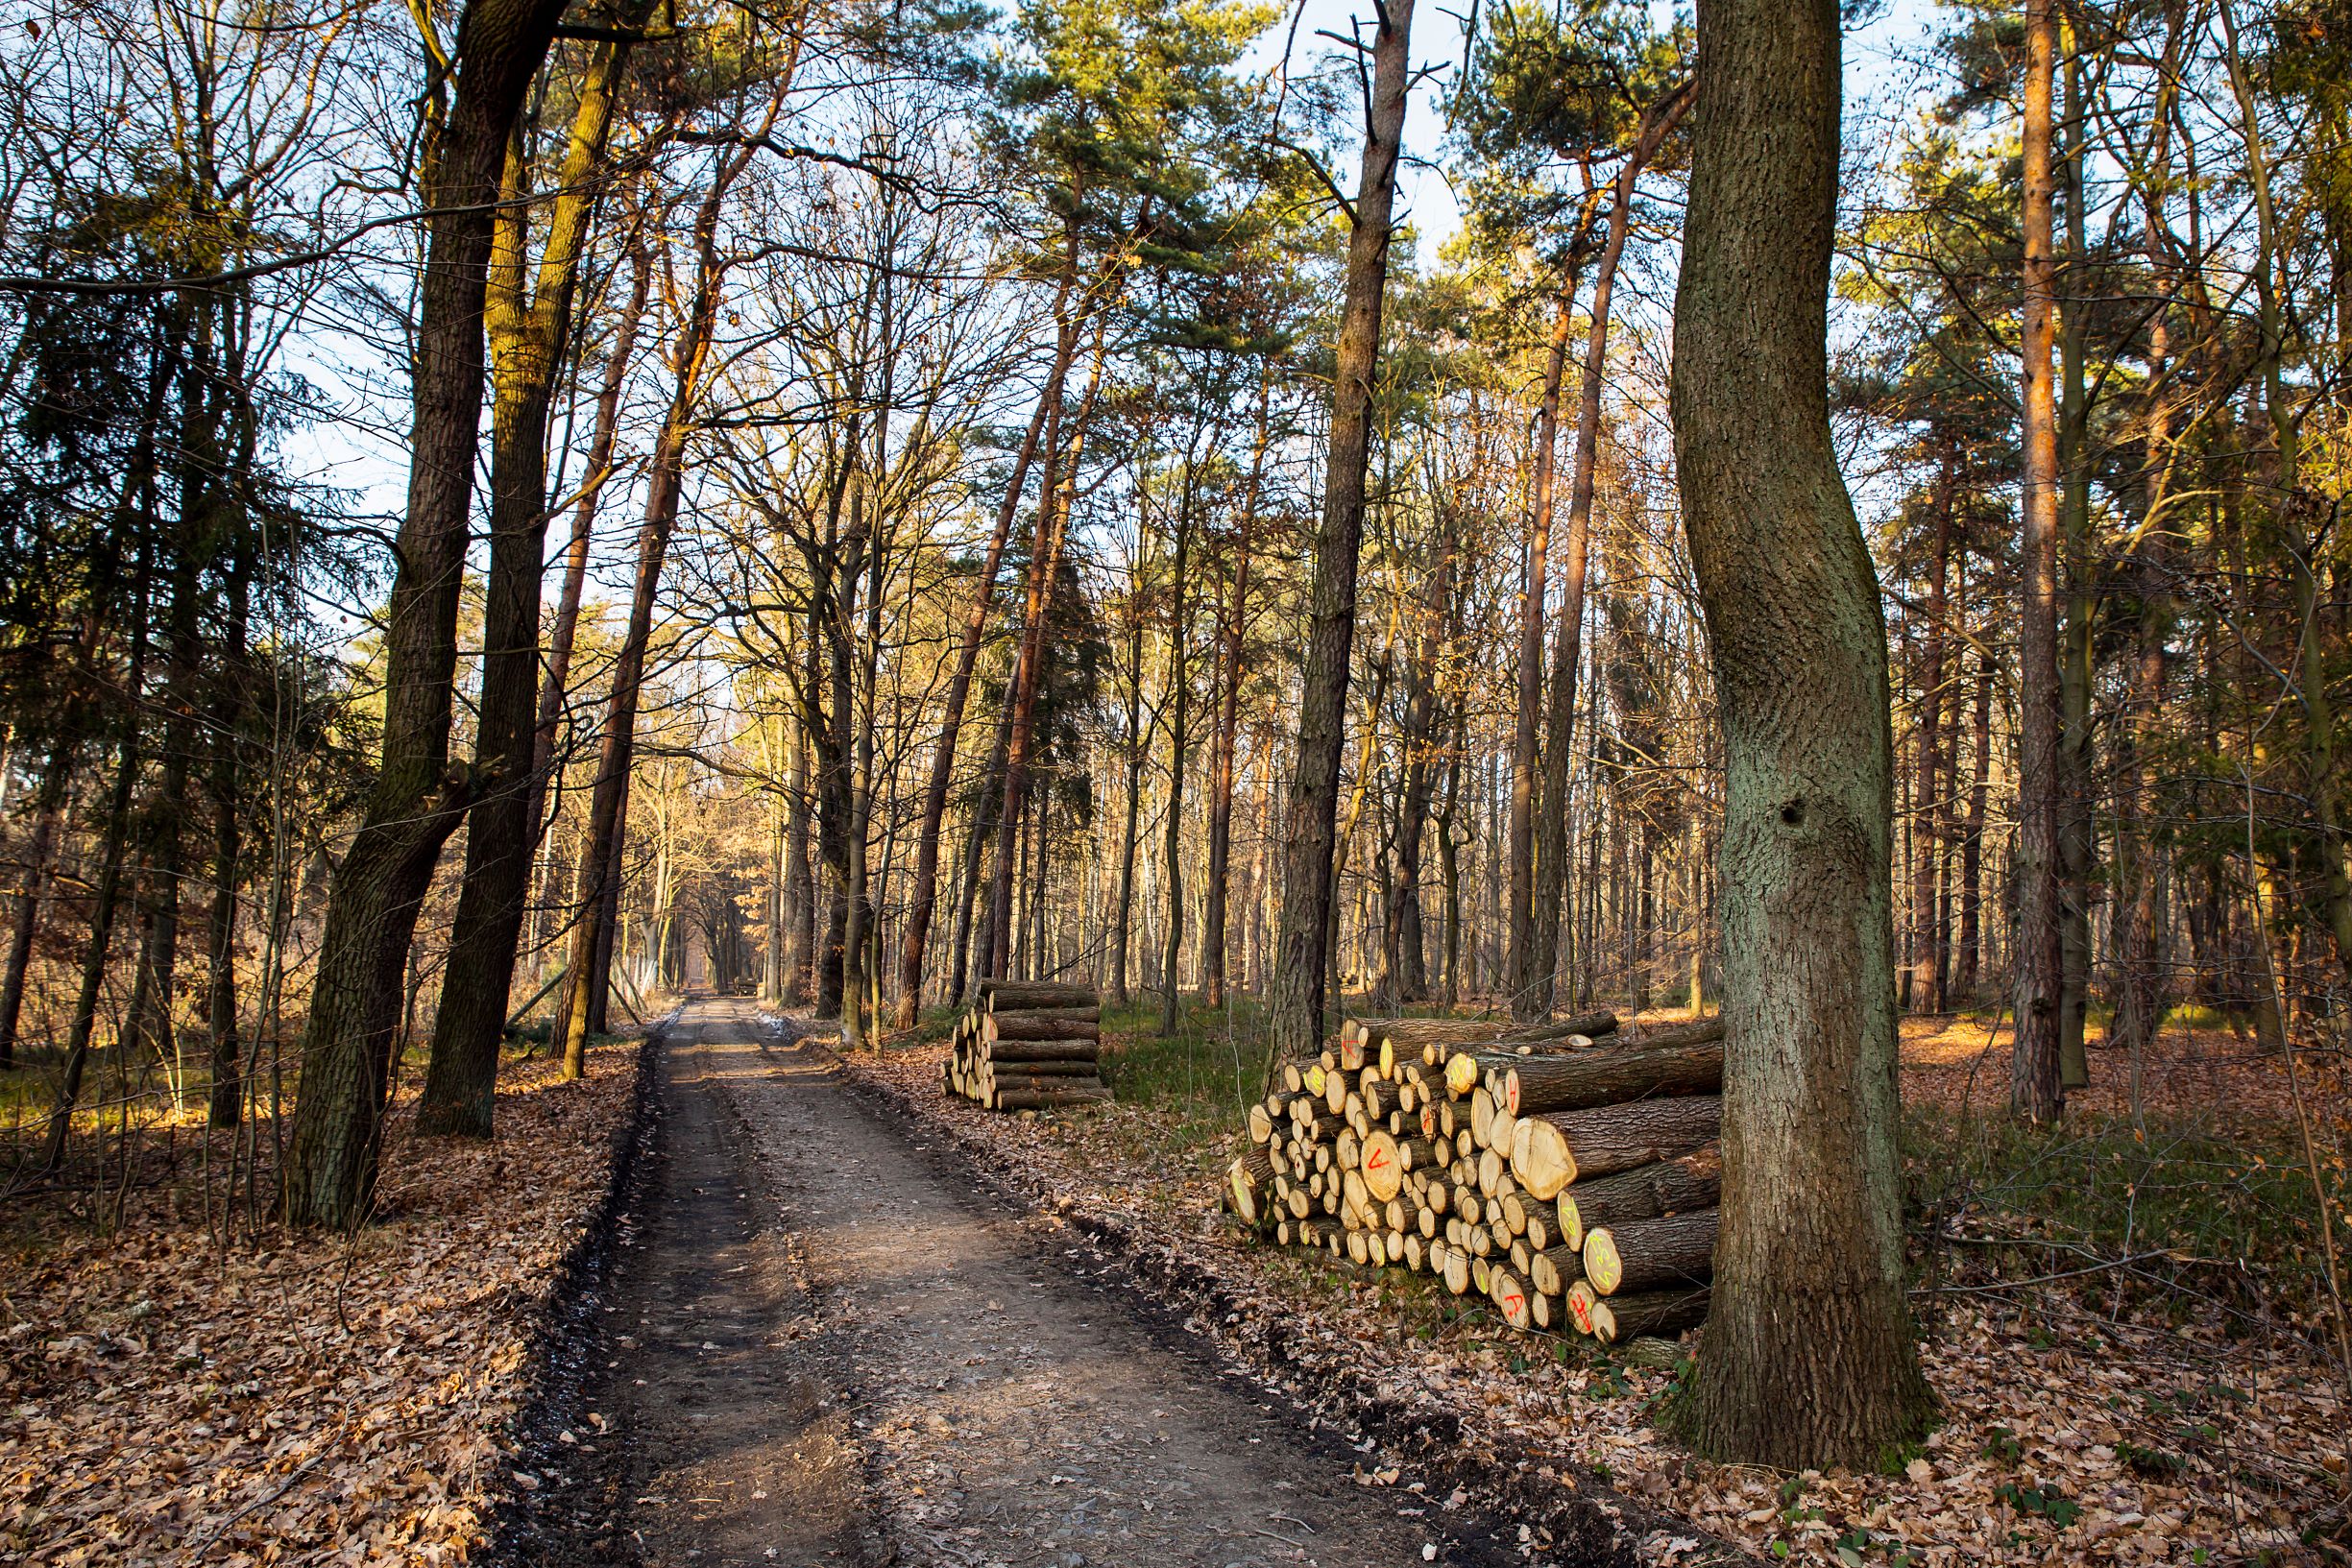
[{"x": 884, "y": 780}]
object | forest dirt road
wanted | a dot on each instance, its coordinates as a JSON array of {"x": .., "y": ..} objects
[{"x": 825, "y": 1344}]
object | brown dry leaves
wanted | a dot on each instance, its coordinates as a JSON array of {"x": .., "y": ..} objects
[
  {"x": 2065, "y": 1437},
  {"x": 311, "y": 1400}
]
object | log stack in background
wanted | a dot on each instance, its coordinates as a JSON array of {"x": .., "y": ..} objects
[
  {"x": 1569, "y": 1175},
  {"x": 1029, "y": 1045}
]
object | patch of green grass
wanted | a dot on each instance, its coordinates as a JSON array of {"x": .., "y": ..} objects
[
  {"x": 2211, "y": 1219},
  {"x": 1200, "y": 1080}
]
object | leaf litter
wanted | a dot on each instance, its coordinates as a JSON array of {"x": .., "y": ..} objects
[
  {"x": 2069, "y": 1432},
  {"x": 302, "y": 1399}
]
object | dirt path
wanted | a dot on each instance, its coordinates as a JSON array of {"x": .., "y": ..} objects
[{"x": 825, "y": 1346}]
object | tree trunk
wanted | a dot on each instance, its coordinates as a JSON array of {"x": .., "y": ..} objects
[
  {"x": 1131, "y": 820},
  {"x": 1533, "y": 997},
  {"x": 588, "y": 975},
  {"x": 1179, "y": 696},
  {"x": 565, "y": 629},
  {"x": 799, "y": 881},
  {"x": 1422, "y": 750},
  {"x": 923, "y": 896},
  {"x": 1231, "y": 631},
  {"x": 329, "y": 1176},
  {"x": 1967, "y": 977},
  {"x": 104, "y": 895},
  {"x": 527, "y": 333},
  {"x": 1307, "y": 904},
  {"x": 2077, "y": 672},
  {"x": 1054, "y": 498},
  {"x": 1926, "y": 932},
  {"x": 1799, "y": 647},
  {"x": 48, "y": 811},
  {"x": 1535, "y": 588},
  {"x": 2035, "y": 1089}
]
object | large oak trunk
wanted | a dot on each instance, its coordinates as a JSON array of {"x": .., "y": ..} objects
[
  {"x": 1798, "y": 641},
  {"x": 329, "y": 1176}
]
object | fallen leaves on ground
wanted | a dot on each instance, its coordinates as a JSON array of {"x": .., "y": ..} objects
[
  {"x": 301, "y": 1399},
  {"x": 2066, "y": 1435}
]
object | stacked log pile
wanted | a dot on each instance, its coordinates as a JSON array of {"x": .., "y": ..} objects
[
  {"x": 1029, "y": 1045},
  {"x": 1565, "y": 1172}
]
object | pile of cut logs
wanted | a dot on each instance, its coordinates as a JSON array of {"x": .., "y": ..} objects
[
  {"x": 1029, "y": 1045},
  {"x": 1567, "y": 1172}
]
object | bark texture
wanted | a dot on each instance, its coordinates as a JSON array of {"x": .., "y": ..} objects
[
  {"x": 1303, "y": 944},
  {"x": 372, "y": 911},
  {"x": 1808, "y": 1357}
]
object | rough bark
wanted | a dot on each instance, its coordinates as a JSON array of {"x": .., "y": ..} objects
[
  {"x": 1798, "y": 642},
  {"x": 1563, "y": 1146},
  {"x": 1689, "y": 1181},
  {"x": 1534, "y": 997},
  {"x": 527, "y": 330},
  {"x": 1605, "y": 1078},
  {"x": 2035, "y": 1090},
  {"x": 372, "y": 910},
  {"x": 923, "y": 896},
  {"x": 48, "y": 808},
  {"x": 1307, "y": 906},
  {"x": 588, "y": 975},
  {"x": 1231, "y": 630}
]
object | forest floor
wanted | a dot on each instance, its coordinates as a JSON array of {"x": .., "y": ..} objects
[
  {"x": 169, "y": 1395},
  {"x": 2164, "y": 1399},
  {"x": 825, "y": 1343}
]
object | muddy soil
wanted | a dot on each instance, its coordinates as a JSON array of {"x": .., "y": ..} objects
[{"x": 824, "y": 1343}]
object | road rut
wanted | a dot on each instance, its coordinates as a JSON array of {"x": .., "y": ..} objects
[{"x": 824, "y": 1344}]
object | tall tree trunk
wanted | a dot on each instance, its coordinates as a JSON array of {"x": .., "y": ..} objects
[
  {"x": 854, "y": 720},
  {"x": 229, "y": 704},
  {"x": 588, "y": 975},
  {"x": 565, "y": 632},
  {"x": 2035, "y": 1088},
  {"x": 1057, "y": 495},
  {"x": 2142, "y": 873},
  {"x": 104, "y": 896},
  {"x": 1130, "y": 822},
  {"x": 48, "y": 810},
  {"x": 1526, "y": 760},
  {"x": 2078, "y": 833},
  {"x": 329, "y": 1176},
  {"x": 1969, "y": 976},
  {"x": 1422, "y": 748},
  {"x": 1302, "y": 942},
  {"x": 972, "y": 959},
  {"x": 1926, "y": 813},
  {"x": 527, "y": 329},
  {"x": 1179, "y": 696},
  {"x": 1533, "y": 997},
  {"x": 799, "y": 880},
  {"x": 923, "y": 896},
  {"x": 1232, "y": 629},
  {"x": 1812, "y": 1190}
]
